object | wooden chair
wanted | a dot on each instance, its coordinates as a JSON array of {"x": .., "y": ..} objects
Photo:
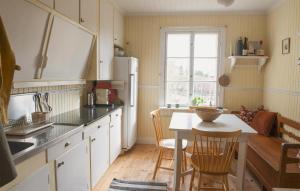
[
  {"x": 212, "y": 155},
  {"x": 165, "y": 144}
]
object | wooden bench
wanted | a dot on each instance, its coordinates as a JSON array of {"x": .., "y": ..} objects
[{"x": 274, "y": 161}]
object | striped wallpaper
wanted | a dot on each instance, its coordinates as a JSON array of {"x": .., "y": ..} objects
[{"x": 281, "y": 79}]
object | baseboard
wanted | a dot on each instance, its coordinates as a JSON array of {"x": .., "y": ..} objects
[{"x": 147, "y": 140}]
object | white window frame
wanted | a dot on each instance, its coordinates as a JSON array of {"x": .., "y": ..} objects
[{"x": 221, "y": 57}]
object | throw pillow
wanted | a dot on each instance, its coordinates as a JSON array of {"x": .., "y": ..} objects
[
  {"x": 248, "y": 115},
  {"x": 263, "y": 122}
]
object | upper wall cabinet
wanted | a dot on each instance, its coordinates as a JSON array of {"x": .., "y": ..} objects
[
  {"x": 25, "y": 27},
  {"x": 86, "y": 12},
  {"x": 89, "y": 14},
  {"x": 49, "y": 3},
  {"x": 106, "y": 39},
  {"x": 118, "y": 28},
  {"x": 69, "y": 8}
]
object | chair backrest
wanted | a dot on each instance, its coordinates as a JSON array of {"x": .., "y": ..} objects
[
  {"x": 214, "y": 150},
  {"x": 157, "y": 125},
  {"x": 287, "y": 128}
]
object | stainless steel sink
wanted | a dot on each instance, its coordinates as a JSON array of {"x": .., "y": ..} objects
[{"x": 16, "y": 147}]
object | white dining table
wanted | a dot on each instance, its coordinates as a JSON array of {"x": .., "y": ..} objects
[{"x": 182, "y": 124}]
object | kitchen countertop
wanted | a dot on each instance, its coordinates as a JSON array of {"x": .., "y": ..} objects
[
  {"x": 66, "y": 124},
  {"x": 42, "y": 140},
  {"x": 84, "y": 115}
]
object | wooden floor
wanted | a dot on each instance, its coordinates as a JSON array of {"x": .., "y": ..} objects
[{"x": 138, "y": 164}]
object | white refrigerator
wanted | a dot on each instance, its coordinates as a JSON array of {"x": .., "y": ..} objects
[{"x": 126, "y": 70}]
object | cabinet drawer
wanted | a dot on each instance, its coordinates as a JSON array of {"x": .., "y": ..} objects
[
  {"x": 116, "y": 115},
  {"x": 63, "y": 146},
  {"x": 92, "y": 128}
]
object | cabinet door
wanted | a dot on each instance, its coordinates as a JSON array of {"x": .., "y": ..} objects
[
  {"x": 72, "y": 169},
  {"x": 89, "y": 14},
  {"x": 49, "y": 3},
  {"x": 106, "y": 39},
  {"x": 115, "y": 136},
  {"x": 69, "y": 8},
  {"x": 99, "y": 153},
  {"x": 118, "y": 28},
  {"x": 36, "y": 182}
]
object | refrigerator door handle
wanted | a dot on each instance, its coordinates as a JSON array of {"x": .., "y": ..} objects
[{"x": 132, "y": 89}]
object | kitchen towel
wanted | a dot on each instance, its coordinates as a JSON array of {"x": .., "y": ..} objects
[
  {"x": 7, "y": 169},
  {"x": 7, "y": 69}
]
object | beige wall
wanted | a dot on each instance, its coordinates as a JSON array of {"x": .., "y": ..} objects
[
  {"x": 282, "y": 74},
  {"x": 142, "y": 37}
]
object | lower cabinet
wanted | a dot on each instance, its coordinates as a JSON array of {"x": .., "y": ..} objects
[
  {"x": 104, "y": 136},
  {"x": 72, "y": 169},
  {"x": 36, "y": 182},
  {"x": 99, "y": 153},
  {"x": 115, "y": 136}
]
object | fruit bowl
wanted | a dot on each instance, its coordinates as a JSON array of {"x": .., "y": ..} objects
[{"x": 207, "y": 114}]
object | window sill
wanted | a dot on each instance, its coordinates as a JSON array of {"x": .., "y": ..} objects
[{"x": 165, "y": 111}]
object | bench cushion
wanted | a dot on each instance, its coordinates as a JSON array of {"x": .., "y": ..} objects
[{"x": 268, "y": 148}]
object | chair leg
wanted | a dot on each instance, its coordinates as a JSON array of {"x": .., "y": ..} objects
[
  {"x": 182, "y": 166},
  {"x": 199, "y": 181},
  {"x": 225, "y": 180},
  {"x": 157, "y": 165},
  {"x": 192, "y": 180},
  {"x": 185, "y": 161}
]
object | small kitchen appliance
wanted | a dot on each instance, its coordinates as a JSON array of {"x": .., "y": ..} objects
[{"x": 102, "y": 96}]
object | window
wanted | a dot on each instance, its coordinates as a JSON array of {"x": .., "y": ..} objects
[{"x": 191, "y": 66}]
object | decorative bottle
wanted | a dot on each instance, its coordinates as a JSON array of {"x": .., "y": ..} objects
[
  {"x": 245, "y": 47},
  {"x": 239, "y": 47}
]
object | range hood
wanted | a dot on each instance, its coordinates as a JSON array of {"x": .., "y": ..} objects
[{"x": 50, "y": 48}]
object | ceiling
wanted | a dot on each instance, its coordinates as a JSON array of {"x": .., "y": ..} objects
[{"x": 191, "y": 6}]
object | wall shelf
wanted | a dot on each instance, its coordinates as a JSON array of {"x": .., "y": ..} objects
[{"x": 261, "y": 61}]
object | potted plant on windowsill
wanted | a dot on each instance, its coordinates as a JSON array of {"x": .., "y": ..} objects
[{"x": 197, "y": 101}]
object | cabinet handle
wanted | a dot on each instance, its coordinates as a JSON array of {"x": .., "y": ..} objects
[
  {"x": 94, "y": 139},
  {"x": 81, "y": 20},
  {"x": 101, "y": 61},
  {"x": 117, "y": 115},
  {"x": 67, "y": 144},
  {"x": 60, "y": 164}
]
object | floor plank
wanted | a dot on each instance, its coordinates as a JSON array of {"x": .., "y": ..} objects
[{"x": 138, "y": 164}]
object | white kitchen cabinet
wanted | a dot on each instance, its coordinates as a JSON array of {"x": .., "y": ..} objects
[
  {"x": 69, "y": 8},
  {"x": 115, "y": 135},
  {"x": 72, "y": 169},
  {"x": 106, "y": 40},
  {"x": 36, "y": 182},
  {"x": 49, "y": 3},
  {"x": 118, "y": 28},
  {"x": 99, "y": 153},
  {"x": 89, "y": 14}
]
